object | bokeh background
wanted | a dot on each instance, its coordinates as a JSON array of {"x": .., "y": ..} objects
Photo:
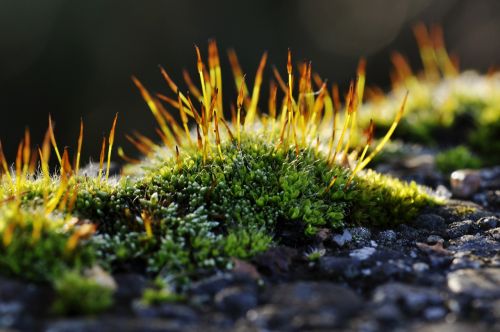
[{"x": 74, "y": 58}]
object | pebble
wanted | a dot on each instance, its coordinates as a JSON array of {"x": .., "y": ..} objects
[
  {"x": 459, "y": 228},
  {"x": 342, "y": 239},
  {"x": 420, "y": 267},
  {"x": 431, "y": 222},
  {"x": 465, "y": 183},
  {"x": 236, "y": 301},
  {"x": 434, "y": 313},
  {"x": 413, "y": 299},
  {"x": 361, "y": 235},
  {"x": 335, "y": 266},
  {"x": 387, "y": 236},
  {"x": 363, "y": 253},
  {"x": 487, "y": 223},
  {"x": 476, "y": 283},
  {"x": 433, "y": 239}
]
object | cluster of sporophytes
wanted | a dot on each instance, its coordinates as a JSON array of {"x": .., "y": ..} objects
[
  {"x": 214, "y": 189},
  {"x": 446, "y": 107}
]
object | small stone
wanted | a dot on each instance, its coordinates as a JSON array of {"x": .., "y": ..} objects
[
  {"x": 464, "y": 260},
  {"x": 236, "y": 301},
  {"x": 341, "y": 239},
  {"x": 363, "y": 253},
  {"x": 388, "y": 313},
  {"x": 420, "y": 267},
  {"x": 487, "y": 223},
  {"x": 494, "y": 233},
  {"x": 431, "y": 222},
  {"x": 361, "y": 235},
  {"x": 388, "y": 236},
  {"x": 316, "y": 295},
  {"x": 482, "y": 283},
  {"x": 465, "y": 182},
  {"x": 412, "y": 299},
  {"x": 339, "y": 266},
  {"x": 433, "y": 239},
  {"x": 479, "y": 245},
  {"x": 459, "y": 228},
  {"x": 434, "y": 313}
]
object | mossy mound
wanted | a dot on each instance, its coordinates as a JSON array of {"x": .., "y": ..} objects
[
  {"x": 218, "y": 191},
  {"x": 445, "y": 108},
  {"x": 192, "y": 218},
  {"x": 199, "y": 215}
]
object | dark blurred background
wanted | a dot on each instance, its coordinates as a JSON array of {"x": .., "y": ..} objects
[{"x": 74, "y": 58}]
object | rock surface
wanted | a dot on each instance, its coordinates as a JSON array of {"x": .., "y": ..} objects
[{"x": 439, "y": 273}]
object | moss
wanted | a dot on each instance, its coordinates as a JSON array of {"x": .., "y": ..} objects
[
  {"x": 35, "y": 247},
  {"x": 456, "y": 158},
  {"x": 202, "y": 214},
  {"x": 76, "y": 294},
  {"x": 223, "y": 191},
  {"x": 464, "y": 210},
  {"x": 446, "y": 108},
  {"x": 159, "y": 293}
]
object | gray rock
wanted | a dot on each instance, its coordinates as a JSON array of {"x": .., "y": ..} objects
[
  {"x": 420, "y": 267},
  {"x": 388, "y": 313},
  {"x": 494, "y": 234},
  {"x": 482, "y": 283},
  {"x": 339, "y": 266},
  {"x": 459, "y": 228},
  {"x": 478, "y": 244},
  {"x": 236, "y": 301},
  {"x": 434, "y": 313},
  {"x": 387, "y": 237},
  {"x": 342, "y": 239},
  {"x": 465, "y": 260},
  {"x": 413, "y": 299},
  {"x": 362, "y": 253},
  {"x": 431, "y": 222},
  {"x": 487, "y": 223},
  {"x": 433, "y": 239},
  {"x": 361, "y": 235},
  {"x": 306, "y": 306},
  {"x": 315, "y": 295}
]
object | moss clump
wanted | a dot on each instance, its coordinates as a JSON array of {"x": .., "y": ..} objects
[
  {"x": 203, "y": 213},
  {"x": 456, "y": 158},
  {"x": 159, "y": 293},
  {"x": 76, "y": 294},
  {"x": 220, "y": 191},
  {"x": 34, "y": 246},
  {"x": 445, "y": 108}
]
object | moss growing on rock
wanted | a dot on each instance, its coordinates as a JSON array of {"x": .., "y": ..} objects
[
  {"x": 222, "y": 190},
  {"x": 445, "y": 108},
  {"x": 76, "y": 294},
  {"x": 36, "y": 246}
]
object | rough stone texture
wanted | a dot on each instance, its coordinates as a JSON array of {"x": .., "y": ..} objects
[{"x": 439, "y": 273}]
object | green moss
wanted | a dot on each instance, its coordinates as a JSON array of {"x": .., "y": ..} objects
[
  {"x": 38, "y": 246},
  {"x": 460, "y": 110},
  {"x": 203, "y": 214},
  {"x": 159, "y": 293},
  {"x": 456, "y": 158},
  {"x": 76, "y": 294}
]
